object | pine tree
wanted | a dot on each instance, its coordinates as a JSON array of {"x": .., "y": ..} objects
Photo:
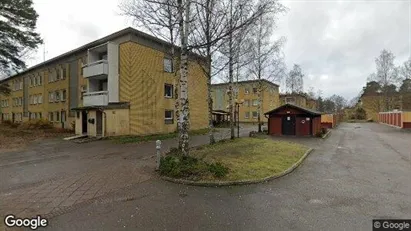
[{"x": 17, "y": 33}]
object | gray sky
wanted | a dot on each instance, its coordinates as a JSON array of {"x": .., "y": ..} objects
[{"x": 335, "y": 42}]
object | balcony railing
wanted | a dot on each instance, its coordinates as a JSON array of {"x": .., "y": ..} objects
[
  {"x": 97, "y": 98},
  {"x": 96, "y": 69}
]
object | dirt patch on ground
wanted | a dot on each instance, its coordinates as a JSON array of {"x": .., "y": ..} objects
[{"x": 14, "y": 139}]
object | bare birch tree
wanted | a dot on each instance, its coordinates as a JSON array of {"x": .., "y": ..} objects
[
  {"x": 386, "y": 75},
  {"x": 267, "y": 62},
  {"x": 405, "y": 70},
  {"x": 242, "y": 17},
  {"x": 294, "y": 81}
]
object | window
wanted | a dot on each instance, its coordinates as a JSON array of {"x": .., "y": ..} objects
[
  {"x": 51, "y": 97},
  {"x": 168, "y": 91},
  {"x": 246, "y": 91},
  {"x": 35, "y": 99},
  {"x": 40, "y": 99},
  {"x": 168, "y": 116},
  {"x": 34, "y": 78},
  {"x": 255, "y": 114},
  {"x": 168, "y": 65},
  {"x": 289, "y": 100},
  {"x": 255, "y": 102},
  {"x": 57, "y": 116},
  {"x": 39, "y": 79},
  {"x": 57, "y": 96},
  {"x": 64, "y": 70},
  {"x": 51, "y": 115},
  {"x": 58, "y": 73},
  {"x": 255, "y": 90},
  {"x": 32, "y": 115},
  {"x": 247, "y": 115},
  {"x": 63, "y": 95},
  {"x": 21, "y": 101},
  {"x": 246, "y": 103},
  {"x": 31, "y": 81},
  {"x": 51, "y": 76}
]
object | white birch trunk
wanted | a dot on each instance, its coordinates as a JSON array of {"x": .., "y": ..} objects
[{"x": 183, "y": 82}]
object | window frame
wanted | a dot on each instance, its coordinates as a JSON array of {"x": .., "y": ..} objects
[
  {"x": 171, "y": 65},
  {"x": 255, "y": 104},
  {"x": 169, "y": 120},
  {"x": 172, "y": 90}
]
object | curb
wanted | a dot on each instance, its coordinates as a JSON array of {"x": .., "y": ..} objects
[
  {"x": 240, "y": 182},
  {"x": 326, "y": 134}
]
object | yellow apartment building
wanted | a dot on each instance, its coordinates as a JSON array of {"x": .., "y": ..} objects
[
  {"x": 302, "y": 100},
  {"x": 121, "y": 84},
  {"x": 246, "y": 92}
]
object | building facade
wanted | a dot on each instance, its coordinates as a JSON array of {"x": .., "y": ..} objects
[
  {"x": 121, "y": 84},
  {"x": 247, "y": 92},
  {"x": 302, "y": 100}
]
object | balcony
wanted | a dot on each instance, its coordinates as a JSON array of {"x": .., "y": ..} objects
[
  {"x": 98, "y": 69},
  {"x": 97, "y": 98}
]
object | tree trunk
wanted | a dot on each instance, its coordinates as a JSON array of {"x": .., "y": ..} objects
[
  {"x": 230, "y": 74},
  {"x": 185, "y": 109},
  {"x": 210, "y": 102},
  {"x": 260, "y": 102},
  {"x": 210, "y": 5}
]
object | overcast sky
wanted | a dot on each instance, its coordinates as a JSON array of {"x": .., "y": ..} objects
[{"x": 335, "y": 42}]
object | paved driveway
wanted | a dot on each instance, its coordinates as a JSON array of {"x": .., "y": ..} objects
[
  {"x": 55, "y": 176},
  {"x": 361, "y": 172}
]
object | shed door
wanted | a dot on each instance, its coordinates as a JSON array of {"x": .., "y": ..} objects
[{"x": 288, "y": 125}]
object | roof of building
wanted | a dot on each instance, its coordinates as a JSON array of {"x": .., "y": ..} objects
[
  {"x": 246, "y": 81},
  {"x": 128, "y": 30},
  {"x": 307, "y": 110}
]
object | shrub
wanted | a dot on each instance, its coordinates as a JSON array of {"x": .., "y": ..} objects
[
  {"x": 252, "y": 134},
  {"x": 37, "y": 124},
  {"x": 179, "y": 166},
  {"x": 218, "y": 169},
  {"x": 7, "y": 122}
]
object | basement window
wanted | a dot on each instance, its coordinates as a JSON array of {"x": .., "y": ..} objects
[{"x": 168, "y": 117}]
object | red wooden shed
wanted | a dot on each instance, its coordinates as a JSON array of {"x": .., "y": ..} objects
[{"x": 290, "y": 119}]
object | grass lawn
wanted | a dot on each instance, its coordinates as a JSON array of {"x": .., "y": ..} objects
[
  {"x": 138, "y": 139},
  {"x": 249, "y": 158}
]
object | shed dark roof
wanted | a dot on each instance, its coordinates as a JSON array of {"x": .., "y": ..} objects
[{"x": 308, "y": 111}]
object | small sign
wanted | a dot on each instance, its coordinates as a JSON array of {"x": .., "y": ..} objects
[
  {"x": 288, "y": 118},
  {"x": 302, "y": 121},
  {"x": 308, "y": 118}
]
